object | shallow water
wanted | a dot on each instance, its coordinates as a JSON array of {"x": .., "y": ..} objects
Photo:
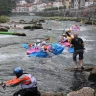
[{"x": 49, "y": 72}]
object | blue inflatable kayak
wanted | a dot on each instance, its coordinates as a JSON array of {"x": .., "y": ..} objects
[
  {"x": 25, "y": 46},
  {"x": 71, "y": 50},
  {"x": 56, "y": 50},
  {"x": 39, "y": 54}
]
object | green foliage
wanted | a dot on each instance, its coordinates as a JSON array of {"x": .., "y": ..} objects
[
  {"x": 6, "y": 6},
  {"x": 54, "y": 8},
  {"x": 4, "y": 19}
]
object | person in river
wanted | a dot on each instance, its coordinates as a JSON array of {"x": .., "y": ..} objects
[
  {"x": 69, "y": 36},
  {"x": 38, "y": 44},
  {"x": 27, "y": 81},
  {"x": 64, "y": 38},
  {"x": 78, "y": 45}
]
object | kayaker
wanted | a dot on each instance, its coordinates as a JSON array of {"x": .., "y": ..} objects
[
  {"x": 44, "y": 46},
  {"x": 69, "y": 37},
  {"x": 38, "y": 44},
  {"x": 78, "y": 45},
  {"x": 27, "y": 81},
  {"x": 64, "y": 39}
]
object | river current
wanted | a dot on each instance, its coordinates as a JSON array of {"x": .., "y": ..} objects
[{"x": 49, "y": 72}]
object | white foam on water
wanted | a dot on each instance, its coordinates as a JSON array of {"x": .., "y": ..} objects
[
  {"x": 6, "y": 36},
  {"x": 4, "y": 57},
  {"x": 86, "y": 38}
]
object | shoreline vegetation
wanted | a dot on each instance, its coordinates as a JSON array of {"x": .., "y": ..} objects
[{"x": 4, "y": 19}]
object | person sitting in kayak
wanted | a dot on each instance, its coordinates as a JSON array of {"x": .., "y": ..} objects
[
  {"x": 27, "y": 81},
  {"x": 38, "y": 44},
  {"x": 45, "y": 47},
  {"x": 69, "y": 37},
  {"x": 64, "y": 39}
]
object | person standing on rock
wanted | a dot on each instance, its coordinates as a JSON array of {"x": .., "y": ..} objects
[{"x": 78, "y": 45}]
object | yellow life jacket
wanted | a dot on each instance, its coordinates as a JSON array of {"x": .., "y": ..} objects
[{"x": 69, "y": 39}]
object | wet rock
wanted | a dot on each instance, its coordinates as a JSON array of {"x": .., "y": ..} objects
[
  {"x": 22, "y": 21},
  {"x": 42, "y": 21},
  {"x": 51, "y": 94},
  {"x": 85, "y": 91},
  {"x": 87, "y": 68},
  {"x": 4, "y": 29},
  {"x": 27, "y": 27},
  {"x": 19, "y": 34},
  {"x": 35, "y": 26},
  {"x": 92, "y": 76}
]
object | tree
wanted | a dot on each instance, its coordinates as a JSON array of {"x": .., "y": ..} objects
[{"x": 6, "y": 6}]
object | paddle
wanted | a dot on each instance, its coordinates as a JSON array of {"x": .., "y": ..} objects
[{"x": 3, "y": 85}]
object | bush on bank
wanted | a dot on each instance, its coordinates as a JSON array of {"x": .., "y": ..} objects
[{"x": 4, "y": 19}]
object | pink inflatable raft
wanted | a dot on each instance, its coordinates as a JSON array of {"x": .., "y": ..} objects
[
  {"x": 66, "y": 44},
  {"x": 31, "y": 50}
]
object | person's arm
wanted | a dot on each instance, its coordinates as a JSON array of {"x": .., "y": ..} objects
[
  {"x": 71, "y": 43},
  {"x": 13, "y": 82}
]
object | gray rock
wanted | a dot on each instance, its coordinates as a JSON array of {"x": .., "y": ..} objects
[
  {"x": 92, "y": 76},
  {"x": 85, "y": 91}
]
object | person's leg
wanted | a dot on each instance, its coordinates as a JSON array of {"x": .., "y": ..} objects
[
  {"x": 17, "y": 93},
  {"x": 81, "y": 62},
  {"x": 32, "y": 92},
  {"x": 74, "y": 59},
  {"x": 81, "y": 59}
]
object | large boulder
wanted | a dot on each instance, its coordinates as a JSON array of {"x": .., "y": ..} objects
[
  {"x": 19, "y": 34},
  {"x": 51, "y": 94},
  {"x": 92, "y": 76},
  {"x": 85, "y": 91},
  {"x": 35, "y": 26},
  {"x": 4, "y": 29}
]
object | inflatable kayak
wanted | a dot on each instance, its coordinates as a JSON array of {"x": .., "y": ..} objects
[
  {"x": 39, "y": 54},
  {"x": 66, "y": 44},
  {"x": 32, "y": 50},
  {"x": 9, "y": 33},
  {"x": 71, "y": 50},
  {"x": 25, "y": 46},
  {"x": 56, "y": 50}
]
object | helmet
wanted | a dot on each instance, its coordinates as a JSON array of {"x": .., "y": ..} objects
[
  {"x": 29, "y": 45},
  {"x": 45, "y": 47},
  {"x": 18, "y": 70},
  {"x": 43, "y": 42},
  {"x": 38, "y": 41}
]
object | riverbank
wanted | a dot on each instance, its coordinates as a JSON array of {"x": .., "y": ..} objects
[{"x": 83, "y": 20}]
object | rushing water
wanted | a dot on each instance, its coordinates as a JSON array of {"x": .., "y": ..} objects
[{"x": 49, "y": 72}]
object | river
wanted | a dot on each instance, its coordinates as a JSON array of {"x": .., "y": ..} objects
[{"x": 49, "y": 72}]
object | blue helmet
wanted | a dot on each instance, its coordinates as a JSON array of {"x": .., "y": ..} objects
[{"x": 18, "y": 70}]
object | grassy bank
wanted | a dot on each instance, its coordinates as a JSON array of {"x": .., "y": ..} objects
[{"x": 4, "y": 19}]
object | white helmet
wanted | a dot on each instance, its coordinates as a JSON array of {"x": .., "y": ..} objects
[
  {"x": 38, "y": 41},
  {"x": 43, "y": 42}
]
